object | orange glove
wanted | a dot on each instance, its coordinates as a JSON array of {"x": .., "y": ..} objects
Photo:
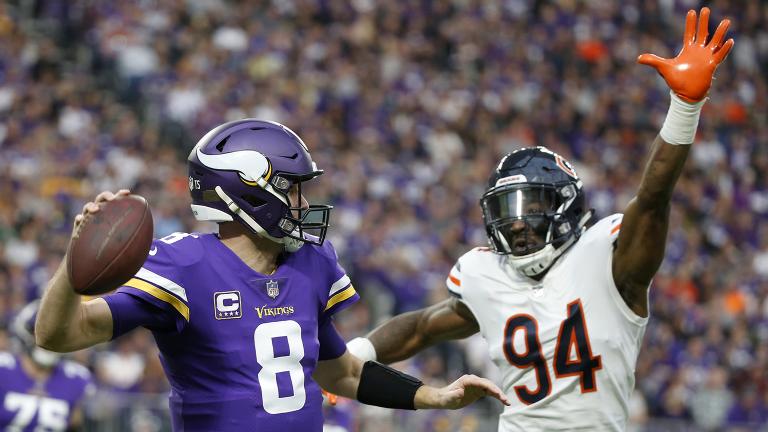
[{"x": 690, "y": 74}]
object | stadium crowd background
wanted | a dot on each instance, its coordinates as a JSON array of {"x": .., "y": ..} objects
[{"x": 406, "y": 105}]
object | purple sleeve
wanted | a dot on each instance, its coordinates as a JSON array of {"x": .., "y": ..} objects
[
  {"x": 331, "y": 344},
  {"x": 154, "y": 297},
  {"x": 130, "y": 311},
  {"x": 341, "y": 293}
]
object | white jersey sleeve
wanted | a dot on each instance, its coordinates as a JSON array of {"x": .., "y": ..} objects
[{"x": 453, "y": 282}]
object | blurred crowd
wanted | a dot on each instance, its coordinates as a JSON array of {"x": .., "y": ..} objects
[{"x": 407, "y": 106}]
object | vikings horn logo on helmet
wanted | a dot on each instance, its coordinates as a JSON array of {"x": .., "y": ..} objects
[{"x": 249, "y": 164}]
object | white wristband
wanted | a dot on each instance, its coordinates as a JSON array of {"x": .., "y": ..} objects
[
  {"x": 681, "y": 122},
  {"x": 362, "y": 348}
]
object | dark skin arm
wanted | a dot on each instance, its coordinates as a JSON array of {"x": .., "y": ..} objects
[
  {"x": 405, "y": 335},
  {"x": 640, "y": 246},
  {"x": 342, "y": 376}
]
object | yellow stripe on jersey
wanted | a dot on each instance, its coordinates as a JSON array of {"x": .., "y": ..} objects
[
  {"x": 340, "y": 296},
  {"x": 160, "y": 295}
]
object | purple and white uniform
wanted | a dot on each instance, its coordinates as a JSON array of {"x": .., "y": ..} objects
[
  {"x": 47, "y": 406},
  {"x": 238, "y": 347}
]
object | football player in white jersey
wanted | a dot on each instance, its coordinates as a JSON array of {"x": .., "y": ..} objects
[{"x": 563, "y": 302}]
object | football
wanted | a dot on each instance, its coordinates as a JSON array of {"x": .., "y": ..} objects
[{"x": 111, "y": 246}]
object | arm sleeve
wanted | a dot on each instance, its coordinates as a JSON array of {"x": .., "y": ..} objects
[
  {"x": 131, "y": 310},
  {"x": 453, "y": 282},
  {"x": 331, "y": 344},
  {"x": 341, "y": 293},
  {"x": 154, "y": 298}
]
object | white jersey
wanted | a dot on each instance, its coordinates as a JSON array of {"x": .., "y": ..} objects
[{"x": 566, "y": 345}]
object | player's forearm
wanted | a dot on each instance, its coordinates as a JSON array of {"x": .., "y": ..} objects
[
  {"x": 58, "y": 310},
  {"x": 661, "y": 173},
  {"x": 399, "y": 338},
  {"x": 340, "y": 376},
  {"x": 425, "y": 398},
  {"x": 345, "y": 387},
  {"x": 63, "y": 322},
  {"x": 668, "y": 155},
  {"x": 405, "y": 335}
]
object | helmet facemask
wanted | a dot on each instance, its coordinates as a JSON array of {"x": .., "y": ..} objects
[
  {"x": 305, "y": 223},
  {"x": 524, "y": 219}
]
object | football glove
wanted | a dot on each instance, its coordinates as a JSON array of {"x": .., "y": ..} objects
[{"x": 690, "y": 74}]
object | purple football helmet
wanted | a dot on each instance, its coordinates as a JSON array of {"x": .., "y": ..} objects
[{"x": 243, "y": 170}]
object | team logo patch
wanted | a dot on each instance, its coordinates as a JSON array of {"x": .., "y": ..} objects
[
  {"x": 565, "y": 166},
  {"x": 227, "y": 305},
  {"x": 273, "y": 290}
]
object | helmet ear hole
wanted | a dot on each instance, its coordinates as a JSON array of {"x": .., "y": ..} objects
[
  {"x": 220, "y": 146},
  {"x": 253, "y": 200}
]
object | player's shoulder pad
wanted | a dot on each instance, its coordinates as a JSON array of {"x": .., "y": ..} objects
[
  {"x": 7, "y": 360},
  {"x": 328, "y": 256},
  {"x": 325, "y": 251},
  {"x": 75, "y": 370},
  {"x": 163, "y": 275},
  {"x": 179, "y": 249},
  {"x": 606, "y": 229},
  {"x": 479, "y": 258},
  {"x": 323, "y": 256},
  {"x": 337, "y": 292}
]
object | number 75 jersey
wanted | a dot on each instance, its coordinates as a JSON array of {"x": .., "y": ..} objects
[{"x": 566, "y": 345}]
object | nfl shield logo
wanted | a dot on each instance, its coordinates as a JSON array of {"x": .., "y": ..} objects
[{"x": 272, "y": 289}]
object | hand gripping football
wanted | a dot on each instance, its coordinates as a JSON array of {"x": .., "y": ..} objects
[{"x": 110, "y": 246}]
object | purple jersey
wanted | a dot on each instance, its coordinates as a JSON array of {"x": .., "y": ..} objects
[
  {"x": 47, "y": 406},
  {"x": 238, "y": 347}
]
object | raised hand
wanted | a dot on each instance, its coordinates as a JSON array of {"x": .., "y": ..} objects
[
  {"x": 92, "y": 207},
  {"x": 690, "y": 74},
  {"x": 458, "y": 394}
]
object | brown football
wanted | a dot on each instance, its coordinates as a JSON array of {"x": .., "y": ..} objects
[{"x": 111, "y": 246}]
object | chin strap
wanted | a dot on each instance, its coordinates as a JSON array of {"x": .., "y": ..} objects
[
  {"x": 537, "y": 262},
  {"x": 290, "y": 244}
]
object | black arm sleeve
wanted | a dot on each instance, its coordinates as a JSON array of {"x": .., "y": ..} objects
[{"x": 383, "y": 386}]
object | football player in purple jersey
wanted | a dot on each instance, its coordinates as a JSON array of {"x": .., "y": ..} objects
[
  {"x": 38, "y": 390},
  {"x": 243, "y": 317}
]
